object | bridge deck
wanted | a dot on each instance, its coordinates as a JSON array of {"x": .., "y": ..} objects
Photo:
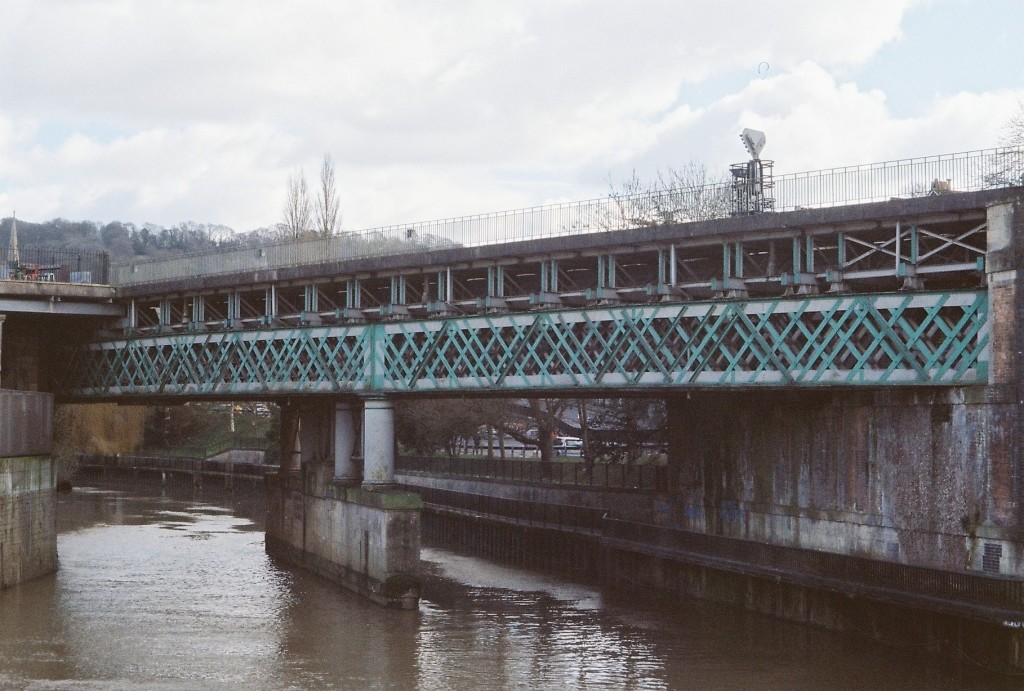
[{"x": 873, "y": 295}]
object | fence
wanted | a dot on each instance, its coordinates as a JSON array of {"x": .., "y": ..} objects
[
  {"x": 561, "y": 472},
  {"x": 56, "y": 265},
  {"x": 960, "y": 172},
  {"x": 217, "y": 445},
  {"x": 170, "y": 464},
  {"x": 550, "y": 515}
]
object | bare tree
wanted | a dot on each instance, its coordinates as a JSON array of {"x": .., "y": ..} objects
[
  {"x": 689, "y": 193},
  {"x": 1013, "y": 130},
  {"x": 327, "y": 217},
  {"x": 298, "y": 210},
  {"x": 1007, "y": 168}
]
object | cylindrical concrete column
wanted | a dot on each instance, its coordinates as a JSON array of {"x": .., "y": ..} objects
[
  {"x": 346, "y": 469},
  {"x": 378, "y": 443}
]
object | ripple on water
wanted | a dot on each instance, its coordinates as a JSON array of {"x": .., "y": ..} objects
[{"x": 160, "y": 592}]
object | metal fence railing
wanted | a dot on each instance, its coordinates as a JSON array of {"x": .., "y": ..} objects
[
  {"x": 960, "y": 172},
  {"x": 558, "y": 472},
  {"x": 54, "y": 265},
  {"x": 217, "y": 445},
  {"x": 548, "y": 514},
  {"x": 170, "y": 464}
]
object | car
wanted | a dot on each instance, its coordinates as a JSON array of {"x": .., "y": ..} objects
[{"x": 567, "y": 446}]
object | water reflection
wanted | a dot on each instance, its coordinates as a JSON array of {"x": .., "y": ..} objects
[
  {"x": 165, "y": 592},
  {"x": 160, "y": 591}
]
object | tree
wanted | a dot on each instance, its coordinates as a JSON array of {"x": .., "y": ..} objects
[
  {"x": 117, "y": 239},
  {"x": 1007, "y": 168},
  {"x": 298, "y": 209},
  {"x": 1013, "y": 130},
  {"x": 689, "y": 193},
  {"x": 630, "y": 426},
  {"x": 426, "y": 426},
  {"x": 548, "y": 414},
  {"x": 327, "y": 218}
]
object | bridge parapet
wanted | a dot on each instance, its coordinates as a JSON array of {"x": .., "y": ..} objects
[{"x": 878, "y": 182}]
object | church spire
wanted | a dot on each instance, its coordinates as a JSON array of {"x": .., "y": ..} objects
[{"x": 12, "y": 247}]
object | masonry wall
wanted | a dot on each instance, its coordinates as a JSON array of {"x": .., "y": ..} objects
[
  {"x": 923, "y": 476},
  {"x": 367, "y": 541}
]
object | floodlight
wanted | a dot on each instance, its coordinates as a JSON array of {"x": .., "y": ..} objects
[{"x": 754, "y": 141}]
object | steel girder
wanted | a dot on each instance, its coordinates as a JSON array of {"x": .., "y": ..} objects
[{"x": 892, "y": 339}]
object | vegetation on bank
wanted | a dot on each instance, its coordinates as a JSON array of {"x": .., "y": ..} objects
[
  {"x": 200, "y": 429},
  {"x": 97, "y": 428}
]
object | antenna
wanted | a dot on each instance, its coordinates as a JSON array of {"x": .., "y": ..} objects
[{"x": 754, "y": 141}]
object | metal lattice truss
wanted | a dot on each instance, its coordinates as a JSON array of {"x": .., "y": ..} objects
[{"x": 799, "y": 341}]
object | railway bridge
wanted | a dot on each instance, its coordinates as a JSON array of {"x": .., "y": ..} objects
[{"x": 842, "y": 372}]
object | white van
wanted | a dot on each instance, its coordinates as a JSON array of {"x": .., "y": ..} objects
[{"x": 567, "y": 446}]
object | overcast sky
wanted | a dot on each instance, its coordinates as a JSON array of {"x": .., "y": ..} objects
[{"x": 165, "y": 111}]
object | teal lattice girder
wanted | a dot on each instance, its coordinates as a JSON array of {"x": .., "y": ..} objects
[{"x": 834, "y": 340}]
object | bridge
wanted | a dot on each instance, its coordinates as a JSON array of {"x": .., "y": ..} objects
[{"x": 842, "y": 374}]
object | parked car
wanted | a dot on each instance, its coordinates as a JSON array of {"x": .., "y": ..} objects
[{"x": 567, "y": 446}]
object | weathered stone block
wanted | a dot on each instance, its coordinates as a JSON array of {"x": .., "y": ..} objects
[
  {"x": 28, "y": 531},
  {"x": 367, "y": 541}
]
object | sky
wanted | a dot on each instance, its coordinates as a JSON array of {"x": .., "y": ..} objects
[{"x": 166, "y": 111}]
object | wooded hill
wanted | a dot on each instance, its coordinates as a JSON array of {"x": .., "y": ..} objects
[{"x": 124, "y": 241}]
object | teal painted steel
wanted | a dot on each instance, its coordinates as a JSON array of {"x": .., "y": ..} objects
[{"x": 891, "y": 339}]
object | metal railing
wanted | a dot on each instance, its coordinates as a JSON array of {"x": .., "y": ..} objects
[
  {"x": 947, "y": 173},
  {"x": 547, "y": 514},
  {"x": 170, "y": 464},
  {"x": 217, "y": 445},
  {"x": 558, "y": 472},
  {"x": 54, "y": 265}
]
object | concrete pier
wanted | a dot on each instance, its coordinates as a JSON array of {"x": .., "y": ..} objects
[
  {"x": 365, "y": 538},
  {"x": 28, "y": 531}
]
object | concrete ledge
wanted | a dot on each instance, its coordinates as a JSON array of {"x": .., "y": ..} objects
[{"x": 391, "y": 499}]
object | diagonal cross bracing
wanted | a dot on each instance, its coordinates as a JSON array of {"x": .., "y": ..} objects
[{"x": 926, "y": 338}]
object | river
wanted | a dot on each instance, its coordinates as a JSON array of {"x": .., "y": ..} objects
[{"x": 157, "y": 591}]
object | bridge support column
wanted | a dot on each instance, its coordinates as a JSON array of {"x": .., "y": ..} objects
[
  {"x": 315, "y": 434},
  {"x": 378, "y": 443},
  {"x": 364, "y": 538},
  {"x": 676, "y": 422},
  {"x": 28, "y": 529},
  {"x": 346, "y": 465},
  {"x": 290, "y": 444}
]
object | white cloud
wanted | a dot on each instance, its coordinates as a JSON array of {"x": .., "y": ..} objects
[{"x": 171, "y": 110}]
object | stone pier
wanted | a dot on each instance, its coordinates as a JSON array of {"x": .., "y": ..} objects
[
  {"x": 338, "y": 513},
  {"x": 28, "y": 531}
]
